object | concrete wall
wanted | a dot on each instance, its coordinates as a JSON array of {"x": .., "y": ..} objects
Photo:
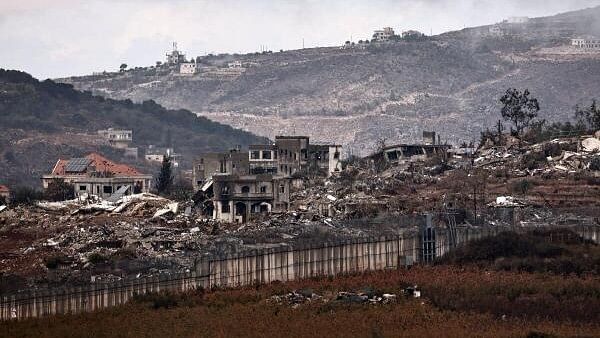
[{"x": 258, "y": 266}]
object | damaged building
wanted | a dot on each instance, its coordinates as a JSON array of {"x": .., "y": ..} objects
[
  {"x": 430, "y": 147},
  {"x": 242, "y": 198},
  {"x": 258, "y": 181},
  {"x": 97, "y": 175}
]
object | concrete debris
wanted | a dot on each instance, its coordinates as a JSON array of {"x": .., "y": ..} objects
[
  {"x": 507, "y": 201},
  {"x": 304, "y": 296},
  {"x": 591, "y": 145}
]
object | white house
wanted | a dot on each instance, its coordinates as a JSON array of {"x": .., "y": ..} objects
[{"x": 188, "y": 68}]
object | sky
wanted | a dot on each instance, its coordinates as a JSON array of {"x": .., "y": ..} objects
[{"x": 58, "y": 38}]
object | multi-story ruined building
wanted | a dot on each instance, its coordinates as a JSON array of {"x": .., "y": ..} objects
[
  {"x": 326, "y": 158},
  {"x": 241, "y": 198},
  {"x": 293, "y": 154},
  {"x": 258, "y": 180},
  {"x": 234, "y": 162},
  {"x": 263, "y": 159},
  {"x": 97, "y": 175}
]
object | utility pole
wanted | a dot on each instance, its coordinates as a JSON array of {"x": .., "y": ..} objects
[{"x": 302, "y": 43}]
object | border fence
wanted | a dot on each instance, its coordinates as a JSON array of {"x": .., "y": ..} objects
[{"x": 261, "y": 266}]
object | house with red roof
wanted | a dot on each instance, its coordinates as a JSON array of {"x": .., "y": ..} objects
[{"x": 96, "y": 175}]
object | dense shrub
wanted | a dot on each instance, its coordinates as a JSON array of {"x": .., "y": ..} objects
[{"x": 24, "y": 196}]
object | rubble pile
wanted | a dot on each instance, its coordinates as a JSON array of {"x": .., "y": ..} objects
[
  {"x": 553, "y": 158},
  {"x": 307, "y": 296}
]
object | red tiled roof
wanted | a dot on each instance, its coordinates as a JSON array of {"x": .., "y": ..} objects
[
  {"x": 105, "y": 165},
  {"x": 3, "y": 188},
  {"x": 102, "y": 164}
]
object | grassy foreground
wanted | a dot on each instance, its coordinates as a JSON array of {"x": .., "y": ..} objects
[
  {"x": 512, "y": 285},
  {"x": 456, "y": 302}
]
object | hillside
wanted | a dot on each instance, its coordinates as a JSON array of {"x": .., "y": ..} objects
[
  {"x": 450, "y": 83},
  {"x": 42, "y": 121}
]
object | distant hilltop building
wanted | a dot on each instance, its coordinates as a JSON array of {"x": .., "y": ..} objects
[
  {"x": 120, "y": 139},
  {"x": 175, "y": 57},
  {"x": 589, "y": 43},
  {"x": 383, "y": 35},
  {"x": 188, "y": 68},
  {"x": 517, "y": 19}
]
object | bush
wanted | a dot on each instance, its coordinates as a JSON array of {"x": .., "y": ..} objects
[
  {"x": 522, "y": 186},
  {"x": 595, "y": 163},
  {"x": 24, "y": 196},
  {"x": 59, "y": 190},
  {"x": 53, "y": 262},
  {"x": 96, "y": 258}
]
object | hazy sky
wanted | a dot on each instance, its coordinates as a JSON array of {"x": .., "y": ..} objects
[{"x": 54, "y": 38}]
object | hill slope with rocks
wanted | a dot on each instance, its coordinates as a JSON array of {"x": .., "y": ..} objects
[
  {"x": 356, "y": 95},
  {"x": 43, "y": 121}
]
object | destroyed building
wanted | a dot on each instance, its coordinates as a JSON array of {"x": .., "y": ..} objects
[
  {"x": 263, "y": 159},
  {"x": 258, "y": 181},
  {"x": 326, "y": 158},
  {"x": 97, "y": 175},
  {"x": 430, "y": 147},
  {"x": 241, "y": 198},
  {"x": 234, "y": 162},
  {"x": 293, "y": 153}
]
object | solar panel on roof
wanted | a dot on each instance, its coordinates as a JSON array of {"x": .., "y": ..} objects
[{"x": 77, "y": 165}]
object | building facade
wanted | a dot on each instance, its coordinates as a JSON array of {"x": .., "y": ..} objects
[
  {"x": 242, "y": 198},
  {"x": 234, "y": 162}
]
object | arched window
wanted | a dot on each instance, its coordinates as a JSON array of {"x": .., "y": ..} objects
[{"x": 245, "y": 189}]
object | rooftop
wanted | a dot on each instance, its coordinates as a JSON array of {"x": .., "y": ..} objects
[{"x": 95, "y": 160}]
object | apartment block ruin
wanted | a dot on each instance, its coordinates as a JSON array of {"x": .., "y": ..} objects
[
  {"x": 244, "y": 184},
  {"x": 97, "y": 175},
  {"x": 383, "y": 35}
]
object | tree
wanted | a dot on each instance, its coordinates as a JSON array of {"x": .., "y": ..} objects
[
  {"x": 164, "y": 179},
  {"x": 59, "y": 190},
  {"x": 519, "y": 108},
  {"x": 589, "y": 116},
  {"x": 122, "y": 67}
]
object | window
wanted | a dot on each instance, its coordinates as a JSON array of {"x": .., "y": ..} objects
[
  {"x": 225, "y": 209},
  {"x": 266, "y": 154},
  {"x": 245, "y": 189},
  {"x": 82, "y": 187},
  {"x": 107, "y": 189},
  {"x": 255, "y": 155},
  {"x": 199, "y": 182},
  {"x": 225, "y": 190},
  {"x": 282, "y": 189},
  {"x": 263, "y": 189},
  {"x": 336, "y": 155}
]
